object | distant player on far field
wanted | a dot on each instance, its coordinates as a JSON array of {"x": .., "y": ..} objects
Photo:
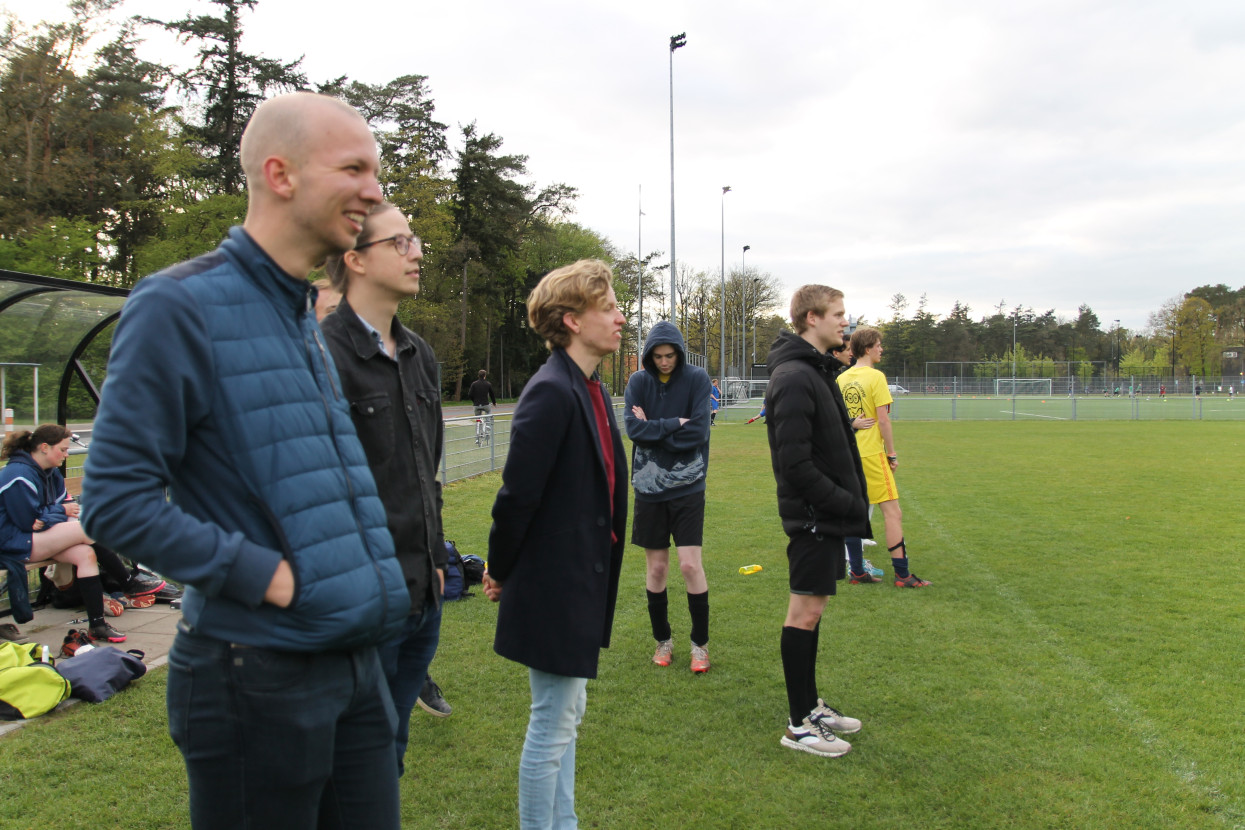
[{"x": 866, "y": 395}]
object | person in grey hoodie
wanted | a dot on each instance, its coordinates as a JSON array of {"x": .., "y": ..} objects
[{"x": 667, "y": 415}]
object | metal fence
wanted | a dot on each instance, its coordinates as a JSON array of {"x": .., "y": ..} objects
[
  {"x": 744, "y": 399},
  {"x": 1096, "y": 385},
  {"x": 1065, "y": 408},
  {"x": 475, "y": 445}
]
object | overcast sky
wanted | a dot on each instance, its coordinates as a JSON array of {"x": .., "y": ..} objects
[{"x": 1046, "y": 153}]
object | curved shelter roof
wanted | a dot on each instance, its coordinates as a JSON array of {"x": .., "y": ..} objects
[{"x": 54, "y": 341}]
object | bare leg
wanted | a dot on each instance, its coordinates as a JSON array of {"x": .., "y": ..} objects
[
  {"x": 65, "y": 542},
  {"x": 691, "y": 567}
]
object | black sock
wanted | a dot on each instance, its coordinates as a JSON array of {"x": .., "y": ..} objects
[
  {"x": 698, "y": 604},
  {"x": 110, "y": 563},
  {"x": 657, "y": 604},
  {"x": 92, "y": 598},
  {"x": 812, "y": 665},
  {"x": 855, "y": 554},
  {"x": 900, "y": 564},
  {"x": 795, "y": 669}
]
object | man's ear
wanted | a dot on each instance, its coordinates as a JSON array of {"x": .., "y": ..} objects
[
  {"x": 280, "y": 176},
  {"x": 569, "y": 320}
]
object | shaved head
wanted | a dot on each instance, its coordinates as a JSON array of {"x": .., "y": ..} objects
[
  {"x": 286, "y": 126},
  {"x": 312, "y": 176}
]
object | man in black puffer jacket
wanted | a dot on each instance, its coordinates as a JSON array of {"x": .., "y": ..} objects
[{"x": 821, "y": 500}]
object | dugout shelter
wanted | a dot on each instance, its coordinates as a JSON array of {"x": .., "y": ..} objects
[{"x": 55, "y": 335}]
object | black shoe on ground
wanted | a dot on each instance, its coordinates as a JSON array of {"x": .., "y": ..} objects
[
  {"x": 107, "y": 633},
  {"x": 141, "y": 584},
  {"x": 431, "y": 701}
]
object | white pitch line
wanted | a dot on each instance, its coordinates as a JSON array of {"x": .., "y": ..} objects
[{"x": 1035, "y": 415}]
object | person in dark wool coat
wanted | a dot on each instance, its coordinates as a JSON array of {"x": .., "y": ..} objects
[{"x": 556, "y": 545}]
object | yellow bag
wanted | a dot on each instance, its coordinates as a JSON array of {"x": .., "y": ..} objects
[{"x": 28, "y": 688}]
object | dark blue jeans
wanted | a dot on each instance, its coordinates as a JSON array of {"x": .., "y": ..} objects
[
  {"x": 280, "y": 739},
  {"x": 405, "y": 659}
]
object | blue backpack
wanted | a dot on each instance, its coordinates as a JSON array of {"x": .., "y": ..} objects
[{"x": 455, "y": 584}]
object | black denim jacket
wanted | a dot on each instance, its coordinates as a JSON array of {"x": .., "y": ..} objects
[{"x": 396, "y": 409}]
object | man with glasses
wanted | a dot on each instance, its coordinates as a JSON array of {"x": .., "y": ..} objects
[
  {"x": 389, "y": 379},
  {"x": 221, "y": 392}
]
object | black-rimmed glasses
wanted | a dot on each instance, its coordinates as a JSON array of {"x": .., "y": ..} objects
[{"x": 401, "y": 242}]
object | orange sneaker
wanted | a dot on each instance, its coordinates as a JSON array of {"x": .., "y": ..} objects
[
  {"x": 911, "y": 581},
  {"x": 700, "y": 659},
  {"x": 664, "y": 653}
]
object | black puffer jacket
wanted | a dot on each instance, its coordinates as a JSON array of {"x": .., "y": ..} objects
[{"x": 816, "y": 462}]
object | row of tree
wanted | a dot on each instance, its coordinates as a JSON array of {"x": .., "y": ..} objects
[
  {"x": 106, "y": 181},
  {"x": 115, "y": 167},
  {"x": 1186, "y": 336}
]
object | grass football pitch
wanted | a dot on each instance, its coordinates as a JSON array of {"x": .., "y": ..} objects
[{"x": 1076, "y": 664}]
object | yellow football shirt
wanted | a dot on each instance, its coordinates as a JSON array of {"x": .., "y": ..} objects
[{"x": 864, "y": 390}]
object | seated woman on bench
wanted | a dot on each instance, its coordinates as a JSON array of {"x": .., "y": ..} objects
[{"x": 38, "y": 524}]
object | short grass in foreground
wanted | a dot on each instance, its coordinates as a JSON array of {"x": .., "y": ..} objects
[{"x": 1076, "y": 663}]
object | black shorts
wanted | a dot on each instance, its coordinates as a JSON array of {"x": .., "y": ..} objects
[
  {"x": 654, "y": 522},
  {"x": 815, "y": 563}
]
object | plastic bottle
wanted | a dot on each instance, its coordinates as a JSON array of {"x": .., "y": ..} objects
[{"x": 749, "y": 569}]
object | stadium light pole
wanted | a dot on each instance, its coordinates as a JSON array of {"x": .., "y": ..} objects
[
  {"x": 639, "y": 260},
  {"x": 743, "y": 317},
  {"x": 1015, "y": 321},
  {"x": 1117, "y": 351},
  {"x": 676, "y": 42},
  {"x": 756, "y": 293},
  {"x": 722, "y": 327}
]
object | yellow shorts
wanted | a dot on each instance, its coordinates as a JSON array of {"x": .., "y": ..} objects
[{"x": 879, "y": 477}]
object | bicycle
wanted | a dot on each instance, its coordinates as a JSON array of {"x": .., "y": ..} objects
[{"x": 484, "y": 426}]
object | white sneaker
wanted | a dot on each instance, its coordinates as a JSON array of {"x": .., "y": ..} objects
[
  {"x": 816, "y": 738},
  {"x": 834, "y": 719}
]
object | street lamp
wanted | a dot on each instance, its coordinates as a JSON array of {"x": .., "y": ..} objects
[
  {"x": 639, "y": 259},
  {"x": 676, "y": 42},
  {"x": 756, "y": 293},
  {"x": 1015, "y": 320},
  {"x": 722, "y": 327},
  {"x": 1115, "y": 348},
  {"x": 743, "y": 311}
]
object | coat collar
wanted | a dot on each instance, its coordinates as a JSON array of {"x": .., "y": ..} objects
[
  {"x": 361, "y": 338},
  {"x": 580, "y": 389},
  {"x": 262, "y": 270}
]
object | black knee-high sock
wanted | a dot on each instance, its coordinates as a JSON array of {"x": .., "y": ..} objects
[
  {"x": 93, "y": 598},
  {"x": 796, "y": 670},
  {"x": 657, "y": 616},
  {"x": 698, "y": 605},
  {"x": 812, "y": 664},
  {"x": 111, "y": 564}
]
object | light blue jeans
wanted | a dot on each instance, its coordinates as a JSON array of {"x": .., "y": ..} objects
[{"x": 547, "y": 766}]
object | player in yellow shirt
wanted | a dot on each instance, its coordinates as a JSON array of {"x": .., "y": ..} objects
[{"x": 866, "y": 395}]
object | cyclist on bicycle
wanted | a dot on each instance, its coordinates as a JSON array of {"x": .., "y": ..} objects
[{"x": 482, "y": 399}]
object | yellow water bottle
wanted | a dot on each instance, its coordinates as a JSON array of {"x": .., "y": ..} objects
[{"x": 749, "y": 569}]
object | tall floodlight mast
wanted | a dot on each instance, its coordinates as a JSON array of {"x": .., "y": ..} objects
[{"x": 676, "y": 42}]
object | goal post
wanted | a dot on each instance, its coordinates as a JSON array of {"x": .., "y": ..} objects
[{"x": 1007, "y": 387}]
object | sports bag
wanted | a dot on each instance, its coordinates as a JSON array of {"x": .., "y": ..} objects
[
  {"x": 28, "y": 688},
  {"x": 102, "y": 672},
  {"x": 455, "y": 585},
  {"x": 473, "y": 569}
]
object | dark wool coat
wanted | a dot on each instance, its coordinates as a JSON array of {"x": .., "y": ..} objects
[{"x": 550, "y": 544}]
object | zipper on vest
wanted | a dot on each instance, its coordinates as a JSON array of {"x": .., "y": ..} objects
[
  {"x": 324, "y": 358},
  {"x": 350, "y": 494}
]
